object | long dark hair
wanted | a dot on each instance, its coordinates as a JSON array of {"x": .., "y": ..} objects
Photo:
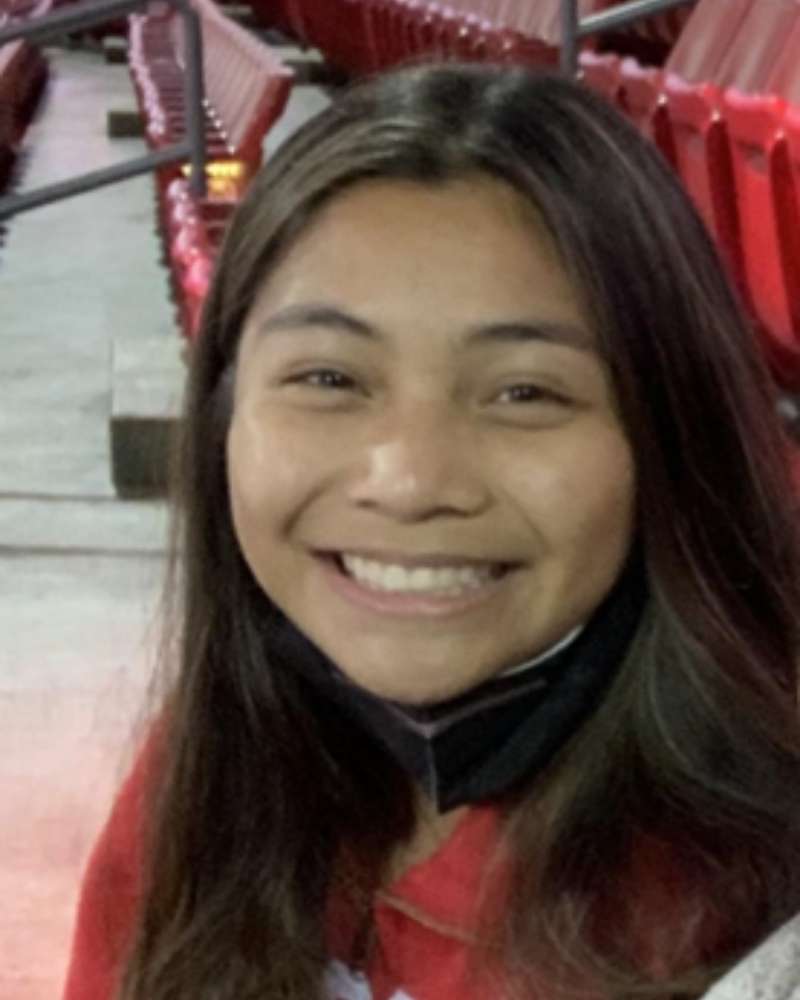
[{"x": 686, "y": 775}]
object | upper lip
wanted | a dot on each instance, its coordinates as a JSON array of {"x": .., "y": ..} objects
[{"x": 422, "y": 560}]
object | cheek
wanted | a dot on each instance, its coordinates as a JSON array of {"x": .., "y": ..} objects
[
  {"x": 262, "y": 479},
  {"x": 275, "y": 470},
  {"x": 250, "y": 467},
  {"x": 578, "y": 493}
]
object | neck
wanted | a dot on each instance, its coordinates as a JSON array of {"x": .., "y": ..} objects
[{"x": 431, "y": 830}]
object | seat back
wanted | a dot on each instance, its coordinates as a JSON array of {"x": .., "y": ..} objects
[
  {"x": 791, "y": 236},
  {"x": 703, "y": 160},
  {"x": 644, "y": 103},
  {"x": 601, "y": 72},
  {"x": 784, "y": 78},
  {"x": 759, "y": 41},
  {"x": 706, "y": 38},
  {"x": 767, "y": 215},
  {"x": 246, "y": 84}
]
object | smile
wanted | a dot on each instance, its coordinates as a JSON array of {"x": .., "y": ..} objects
[{"x": 445, "y": 581}]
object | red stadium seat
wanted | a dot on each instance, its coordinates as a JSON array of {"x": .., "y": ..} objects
[
  {"x": 644, "y": 102},
  {"x": 246, "y": 90},
  {"x": 703, "y": 160},
  {"x": 444, "y": 31},
  {"x": 759, "y": 41},
  {"x": 601, "y": 72},
  {"x": 791, "y": 124},
  {"x": 402, "y": 29},
  {"x": 345, "y": 37},
  {"x": 706, "y": 38},
  {"x": 769, "y": 221},
  {"x": 784, "y": 78},
  {"x": 295, "y": 20}
]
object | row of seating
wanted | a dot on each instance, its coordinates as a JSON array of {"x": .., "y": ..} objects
[
  {"x": 246, "y": 89},
  {"x": 738, "y": 152},
  {"x": 23, "y": 72},
  {"x": 734, "y": 138},
  {"x": 363, "y": 36},
  {"x": 192, "y": 232}
]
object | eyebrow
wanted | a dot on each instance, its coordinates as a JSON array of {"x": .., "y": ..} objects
[{"x": 513, "y": 332}]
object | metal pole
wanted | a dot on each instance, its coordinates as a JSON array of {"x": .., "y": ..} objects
[
  {"x": 193, "y": 88},
  {"x": 69, "y": 19},
  {"x": 624, "y": 14},
  {"x": 569, "y": 37},
  {"x": 14, "y": 204}
]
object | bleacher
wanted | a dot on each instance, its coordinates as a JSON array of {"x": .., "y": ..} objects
[
  {"x": 715, "y": 85},
  {"x": 23, "y": 72},
  {"x": 246, "y": 89},
  {"x": 723, "y": 110}
]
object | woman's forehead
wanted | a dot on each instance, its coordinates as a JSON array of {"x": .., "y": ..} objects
[{"x": 466, "y": 251}]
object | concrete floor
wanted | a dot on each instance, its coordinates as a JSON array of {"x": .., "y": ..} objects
[{"x": 80, "y": 571}]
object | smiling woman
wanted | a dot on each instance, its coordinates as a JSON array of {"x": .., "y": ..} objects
[
  {"x": 486, "y": 682},
  {"x": 427, "y": 471}
]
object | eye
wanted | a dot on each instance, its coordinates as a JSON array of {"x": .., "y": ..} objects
[
  {"x": 323, "y": 378},
  {"x": 528, "y": 392}
]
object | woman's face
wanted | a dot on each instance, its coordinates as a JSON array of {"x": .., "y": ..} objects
[{"x": 427, "y": 471}]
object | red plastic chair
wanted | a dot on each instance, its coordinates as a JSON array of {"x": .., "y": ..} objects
[
  {"x": 645, "y": 104},
  {"x": 437, "y": 27},
  {"x": 374, "y": 16},
  {"x": 769, "y": 222},
  {"x": 791, "y": 125},
  {"x": 759, "y": 41},
  {"x": 296, "y": 23},
  {"x": 784, "y": 78},
  {"x": 347, "y": 40},
  {"x": 706, "y": 38},
  {"x": 601, "y": 72},
  {"x": 703, "y": 160}
]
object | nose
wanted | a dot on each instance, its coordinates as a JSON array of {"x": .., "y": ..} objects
[{"x": 421, "y": 463}]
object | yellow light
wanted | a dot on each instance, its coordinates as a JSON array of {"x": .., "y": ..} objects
[
  {"x": 223, "y": 188},
  {"x": 231, "y": 170}
]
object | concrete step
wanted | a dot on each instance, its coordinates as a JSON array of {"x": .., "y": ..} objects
[{"x": 147, "y": 383}]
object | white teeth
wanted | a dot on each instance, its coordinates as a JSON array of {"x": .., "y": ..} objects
[{"x": 443, "y": 580}]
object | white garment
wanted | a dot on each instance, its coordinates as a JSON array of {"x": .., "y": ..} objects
[
  {"x": 342, "y": 983},
  {"x": 770, "y": 972}
]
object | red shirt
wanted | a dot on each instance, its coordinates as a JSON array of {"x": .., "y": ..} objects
[{"x": 423, "y": 921}]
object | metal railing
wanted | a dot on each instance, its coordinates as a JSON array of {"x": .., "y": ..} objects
[
  {"x": 573, "y": 29},
  {"x": 192, "y": 148}
]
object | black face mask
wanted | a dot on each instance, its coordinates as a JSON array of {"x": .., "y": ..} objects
[{"x": 485, "y": 742}]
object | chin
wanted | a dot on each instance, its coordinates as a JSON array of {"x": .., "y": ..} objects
[{"x": 411, "y": 691}]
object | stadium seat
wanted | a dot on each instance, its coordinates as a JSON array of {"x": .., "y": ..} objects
[
  {"x": 784, "y": 78},
  {"x": 601, "y": 72},
  {"x": 769, "y": 221},
  {"x": 246, "y": 90},
  {"x": 706, "y": 39},
  {"x": 643, "y": 101},
  {"x": 345, "y": 41},
  {"x": 703, "y": 160},
  {"x": 759, "y": 41},
  {"x": 23, "y": 72},
  {"x": 791, "y": 124}
]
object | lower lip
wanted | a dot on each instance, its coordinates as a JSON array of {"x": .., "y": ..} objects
[{"x": 406, "y": 604}]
